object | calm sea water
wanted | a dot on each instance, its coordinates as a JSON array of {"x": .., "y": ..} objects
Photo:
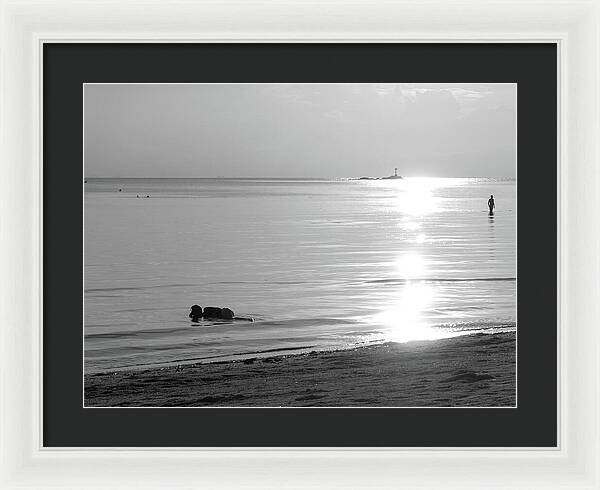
[{"x": 318, "y": 264}]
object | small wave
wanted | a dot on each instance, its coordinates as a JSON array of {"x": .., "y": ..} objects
[
  {"x": 146, "y": 309},
  {"x": 262, "y": 282},
  {"x": 304, "y": 322},
  {"x": 110, "y": 325},
  {"x": 157, "y": 332},
  {"x": 128, "y": 350},
  {"x": 137, "y": 288},
  {"x": 438, "y": 279},
  {"x": 221, "y": 356},
  {"x": 400, "y": 280},
  {"x": 478, "y": 327}
]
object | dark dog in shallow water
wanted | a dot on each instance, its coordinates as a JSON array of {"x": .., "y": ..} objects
[
  {"x": 216, "y": 312},
  {"x": 195, "y": 313},
  {"x": 213, "y": 312}
]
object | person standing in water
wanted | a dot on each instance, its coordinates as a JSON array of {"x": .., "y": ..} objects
[{"x": 491, "y": 205}]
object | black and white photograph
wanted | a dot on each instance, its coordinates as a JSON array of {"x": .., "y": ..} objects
[{"x": 300, "y": 245}]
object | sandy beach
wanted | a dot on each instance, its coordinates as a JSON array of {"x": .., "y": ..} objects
[{"x": 468, "y": 371}]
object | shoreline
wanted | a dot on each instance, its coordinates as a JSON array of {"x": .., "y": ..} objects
[{"x": 476, "y": 370}]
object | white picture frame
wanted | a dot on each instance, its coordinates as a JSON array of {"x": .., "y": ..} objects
[{"x": 26, "y": 26}]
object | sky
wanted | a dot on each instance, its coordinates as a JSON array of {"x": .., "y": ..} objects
[{"x": 300, "y": 130}]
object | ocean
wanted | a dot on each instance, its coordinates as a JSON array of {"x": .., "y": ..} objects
[{"x": 318, "y": 265}]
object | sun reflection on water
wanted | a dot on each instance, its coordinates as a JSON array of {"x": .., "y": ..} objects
[
  {"x": 405, "y": 319},
  {"x": 409, "y": 225},
  {"x": 411, "y": 266},
  {"x": 420, "y": 238},
  {"x": 411, "y": 310},
  {"x": 415, "y": 197}
]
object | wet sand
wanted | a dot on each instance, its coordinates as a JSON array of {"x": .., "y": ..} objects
[{"x": 470, "y": 371}]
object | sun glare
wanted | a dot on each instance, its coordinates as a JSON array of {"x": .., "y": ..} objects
[
  {"x": 405, "y": 320},
  {"x": 415, "y": 196},
  {"x": 411, "y": 266},
  {"x": 420, "y": 238},
  {"x": 409, "y": 225},
  {"x": 406, "y": 317}
]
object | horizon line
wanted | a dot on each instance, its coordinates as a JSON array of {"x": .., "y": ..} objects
[{"x": 311, "y": 178}]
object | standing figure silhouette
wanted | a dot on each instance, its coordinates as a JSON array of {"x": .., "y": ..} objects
[{"x": 491, "y": 205}]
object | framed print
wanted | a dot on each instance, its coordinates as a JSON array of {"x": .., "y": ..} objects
[{"x": 336, "y": 255}]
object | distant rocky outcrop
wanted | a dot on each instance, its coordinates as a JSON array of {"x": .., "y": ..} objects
[{"x": 395, "y": 176}]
